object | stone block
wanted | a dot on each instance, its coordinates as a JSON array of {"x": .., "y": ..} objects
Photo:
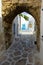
[
  {"x": 5, "y": 63},
  {"x": 16, "y": 58},
  {"x": 16, "y": 53},
  {"x": 13, "y": 63},
  {"x": 30, "y": 57},
  {"x": 2, "y": 58},
  {"x": 14, "y": 1},
  {"x": 21, "y": 62},
  {"x": 28, "y": 1},
  {"x": 20, "y": 1}
]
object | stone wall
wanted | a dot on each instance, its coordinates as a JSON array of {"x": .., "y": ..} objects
[
  {"x": 10, "y": 8},
  {"x": 2, "y": 45}
]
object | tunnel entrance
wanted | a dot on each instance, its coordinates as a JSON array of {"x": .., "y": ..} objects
[
  {"x": 24, "y": 28},
  {"x": 8, "y": 21}
]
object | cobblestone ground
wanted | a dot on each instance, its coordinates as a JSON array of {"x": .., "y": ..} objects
[{"x": 21, "y": 53}]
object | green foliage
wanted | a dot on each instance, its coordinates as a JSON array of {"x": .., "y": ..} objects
[
  {"x": 24, "y": 16},
  {"x": 21, "y": 15}
]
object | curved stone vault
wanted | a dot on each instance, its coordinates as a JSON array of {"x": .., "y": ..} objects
[
  {"x": 20, "y": 53},
  {"x": 11, "y": 8},
  {"x": 17, "y": 52}
]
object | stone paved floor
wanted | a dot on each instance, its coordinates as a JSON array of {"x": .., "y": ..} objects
[{"x": 20, "y": 53}]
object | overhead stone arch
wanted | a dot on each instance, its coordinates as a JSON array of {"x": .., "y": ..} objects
[{"x": 13, "y": 12}]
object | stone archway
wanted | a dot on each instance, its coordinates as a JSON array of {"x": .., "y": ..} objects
[
  {"x": 18, "y": 8},
  {"x": 24, "y": 24}
]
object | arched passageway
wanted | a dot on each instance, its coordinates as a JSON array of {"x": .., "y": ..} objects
[
  {"x": 22, "y": 50},
  {"x": 24, "y": 24},
  {"x": 8, "y": 20},
  {"x": 19, "y": 53},
  {"x": 17, "y": 8}
]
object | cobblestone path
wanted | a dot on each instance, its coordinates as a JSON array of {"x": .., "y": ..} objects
[{"x": 21, "y": 53}]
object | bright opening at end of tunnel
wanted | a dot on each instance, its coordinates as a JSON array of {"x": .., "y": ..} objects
[{"x": 26, "y": 24}]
